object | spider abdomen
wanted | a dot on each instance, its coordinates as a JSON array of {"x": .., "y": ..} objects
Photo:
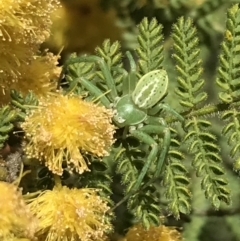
[{"x": 150, "y": 89}]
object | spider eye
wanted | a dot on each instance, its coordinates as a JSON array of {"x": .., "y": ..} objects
[
  {"x": 150, "y": 89},
  {"x": 119, "y": 119}
]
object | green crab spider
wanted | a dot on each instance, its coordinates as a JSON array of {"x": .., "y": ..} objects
[{"x": 136, "y": 110}]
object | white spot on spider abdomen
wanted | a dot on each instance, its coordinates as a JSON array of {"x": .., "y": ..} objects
[{"x": 150, "y": 89}]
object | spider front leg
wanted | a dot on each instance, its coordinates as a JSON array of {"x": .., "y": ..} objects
[
  {"x": 104, "y": 68},
  {"x": 95, "y": 91},
  {"x": 129, "y": 78}
]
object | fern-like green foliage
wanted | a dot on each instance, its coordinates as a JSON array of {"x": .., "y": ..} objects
[
  {"x": 7, "y": 117},
  {"x": 202, "y": 143},
  {"x": 228, "y": 81},
  {"x": 128, "y": 155},
  {"x": 176, "y": 179},
  {"x": 111, "y": 54},
  {"x": 71, "y": 84},
  {"x": 23, "y": 103},
  {"x": 196, "y": 135},
  {"x": 166, "y": 187},
  {"x": 150, "y": 46}
]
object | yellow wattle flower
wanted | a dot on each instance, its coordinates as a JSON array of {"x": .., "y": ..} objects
[
  {"x": 62, "y": 127},
  {"x": 24, "y": 25},
  {"x": 71, "y": 215},
  {"x": 26, "y": 21},
  {"x": 16, "y": 220},
  {"x": 39, "y": 76},
  {"x": 160, "y": 233}
]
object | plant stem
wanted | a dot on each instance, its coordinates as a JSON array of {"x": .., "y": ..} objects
[{"x": 206, "y": 110}]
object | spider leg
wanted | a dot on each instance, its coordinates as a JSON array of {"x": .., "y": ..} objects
[
  {"x": 163, "y": 106},
  {"x": 131, "y": 80},
  {"x": 131, "y": 61},
  {"x": 72, "y": 86},
  {"x": 94, "y": 90},
  {"x": 143, "y": 134},
  {"x": 103, "y": 66},
  {"x": 147, "y": 139},
  {"x": 163, "y": 130},
  {"x": 125, "y": 83}
]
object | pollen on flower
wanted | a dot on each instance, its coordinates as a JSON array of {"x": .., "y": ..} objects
[
  {"x": 160, "y": 233},
  {"x": 26, "y": 21},
  {"x": 16, "y": 220},
  {"x": 71, "y": 214},
  {"x": 13, "y": 56},
  {"x": 24, "y": 25},
  {"x": 39, "y": 76},
  {"x": 62, "y": 127}
]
